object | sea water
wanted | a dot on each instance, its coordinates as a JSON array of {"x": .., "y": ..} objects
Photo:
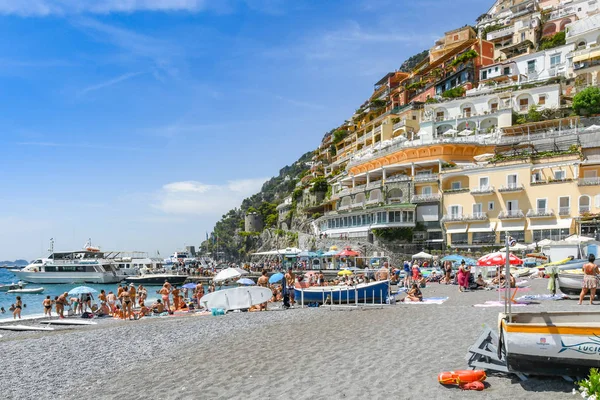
[{"x": 34, "y": 301}]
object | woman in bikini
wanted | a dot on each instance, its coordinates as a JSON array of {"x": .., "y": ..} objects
[
  {"x": 175, "y": 293},
  {"x": 414, "y": 294},
  {"x": 47, "y": 303},
  {"x": 18, "y": 307},
  {"x": 164, "y": 292},
  {"x": 126, "y": 299},
  {"x": 111, "y": 299},
  {"x": 590, "y": 283}
]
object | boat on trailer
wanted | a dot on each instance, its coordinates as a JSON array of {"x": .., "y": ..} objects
[
  {"x": 361, "y": 293},
  {"x": 551, "y": 343}
]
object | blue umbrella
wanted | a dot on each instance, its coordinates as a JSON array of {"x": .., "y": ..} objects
[
  {"x": 190, "y": 285},
  {"x": 276, "y": 277},
  {"x": 81, "y": 290},
  {"x": 246, "y": 281},
  {"x": 453, "y": 258}
]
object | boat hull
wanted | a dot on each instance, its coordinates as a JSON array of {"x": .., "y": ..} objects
[
  {"x": 12, "y": 286},
  {"x": 156, "y": 280},
  {"x": 557, "y": 347},
  {"x": 67, "y": 277},
  {"x": 370, "y": 292}
]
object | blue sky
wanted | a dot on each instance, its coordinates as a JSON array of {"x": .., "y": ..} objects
[{"x": 139, "y": 123}]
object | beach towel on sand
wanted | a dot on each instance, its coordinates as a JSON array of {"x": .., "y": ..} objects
[
  {"x": 493, "y": 303},
  {"x": 542, "y": 297},
  {"x": 429, "y": 300}
]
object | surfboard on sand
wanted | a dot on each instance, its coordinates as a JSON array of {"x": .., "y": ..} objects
[
  {"x": 25, "y": 328},
  {"x": 237, "y": 298},
  {"x": 67, "y": 322}
]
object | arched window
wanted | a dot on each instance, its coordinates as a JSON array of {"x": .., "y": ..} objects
[
  {"x": 395, "y": 194},
  {"x": 584, "y": 204}
]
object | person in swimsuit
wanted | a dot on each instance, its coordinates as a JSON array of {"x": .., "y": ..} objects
[
  {"x": 142, "y": 294},
  {"x": 321, "y": 280},
  {"x": 157, "y": 307},
  {"x": 47, "y": 303},
  {"x": 199, "y": 292},
  {"x": 165, "y": 292},
  {"x": 18, "y": 307},
  {"x": 126, "y": 299},
  {"x": 590, "y": 271},
  {"x": 414, "y": 294},
  {"x": 132, "y": 293},
  {"x": 102, "y": 296},
  {"x": 111, "y": 299},
  {"x": 60, "y": 304},
  {"x": 175, "y": 293},
  {"x": 290, "y": 281},
  {"x": 264, "y": 282}
]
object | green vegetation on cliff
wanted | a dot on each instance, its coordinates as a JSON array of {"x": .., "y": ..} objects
[
  {"x": 412, "y": 62},
  {"x": 226, "y": 235}
]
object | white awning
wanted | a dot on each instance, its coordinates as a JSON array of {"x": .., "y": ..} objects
[
  {"x": 482, "y": 227},
  {"x": 458, "y": 228},
  {"x": 558, "y": 165},
  {"x": 552, "y": 224},
  {"x": 504, "y": 226}
]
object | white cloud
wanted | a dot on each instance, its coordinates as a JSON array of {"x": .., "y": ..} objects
[
  {"x": 41, "y": 8},
  {"x": 197, "y": 198}
]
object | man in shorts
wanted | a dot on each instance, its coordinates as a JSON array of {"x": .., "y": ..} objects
[{"x": 290, "y": 282}]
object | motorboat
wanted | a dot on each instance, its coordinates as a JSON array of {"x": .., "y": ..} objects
[
  {"x": 551, "y": 343},
  {"x": 27, "y": 291},
  {"x": 12, "y": 286},
  {"x": 155, "y": 278},
  {"x": 363, "y": 292},
  {"x": 80, "y": 266}
]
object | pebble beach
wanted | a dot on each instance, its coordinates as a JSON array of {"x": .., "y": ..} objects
[{"x": 392, "y": 352}]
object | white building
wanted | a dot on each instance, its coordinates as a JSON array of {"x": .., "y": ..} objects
[{"x": 485, "y": 113}]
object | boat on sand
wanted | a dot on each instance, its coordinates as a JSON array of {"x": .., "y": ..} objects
[{"x": 361, "y": 293}]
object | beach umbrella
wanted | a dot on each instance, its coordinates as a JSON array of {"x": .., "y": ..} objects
[
  {"x": 276, "y": 277},
  {"x": 465, "y": 132},
  {"x": 498, "y": 258},
  {"x": 578, "y": 239},
  {"x": 453, "y": 258},
  {"x": 544, "y": 242},
  {"x": 241, "y": 271},
  {"x": 246, "y": 281},
  {"x": 333, "y": 248},
  {"x": 422, "y": 255},
  {"x": 345, "y": 272},
  {"x": 307, "y": 254},
  {"x": 516, "y": 247},
  {"x": 82, "y": 290},
  {"x": 190, "y": 285},
  {"x": 228, "y": 273},
  {"x": 450, "y": 132}
]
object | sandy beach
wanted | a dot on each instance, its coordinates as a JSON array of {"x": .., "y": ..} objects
[{"x": 394, "y": 352}]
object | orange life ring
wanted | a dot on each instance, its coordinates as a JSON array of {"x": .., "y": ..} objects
[{"x": 460, "y": 377}]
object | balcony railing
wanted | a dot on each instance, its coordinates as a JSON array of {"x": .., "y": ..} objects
[
  {"x": 588, "y": 181},
  {"x": 344, "y": 207},
  {"x": 427, "y": 178},
  {"x": 500, "y": 33},
  {"x": 511, "y": 214},
  {"x": 426, "y": 198},
  {"x": 373, "y": 201},
  {"x": 377, "y": 130},
  {"x": 585, "y": 64},
  {"x": 480, "y": 216},
  {"x": 540, "y": 213},
  {"x": 459, "y": 190},
  {"x": 359, "y": 188},
  {"x": 482, "y": 190},
  {"x": 453, "y": 218},
  {"x": 344, "y": 192},
  {"x": 374, "y": 185},
  {"x": 398, "y": 178},
  {"x": 584, "y": 209},
  {"x": 399, "y": 125},
  {"x": 360, "y": 204},
  {"x": 564, "y": 211},
  {"x": 512, "y": 187}
]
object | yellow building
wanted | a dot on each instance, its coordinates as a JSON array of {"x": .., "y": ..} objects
[{"x": 531, "y": 198}]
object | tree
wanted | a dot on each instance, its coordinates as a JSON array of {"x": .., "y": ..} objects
[
  {"x": 587, "y": 101},
  {"x": 556, "y": 40},
  {"x": 533, "y": 115}
]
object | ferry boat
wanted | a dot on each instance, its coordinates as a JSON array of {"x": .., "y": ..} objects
[{"x": 81, "y": 266}]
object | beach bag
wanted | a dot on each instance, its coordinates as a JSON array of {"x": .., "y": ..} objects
[{"x": 87, "y": 315}]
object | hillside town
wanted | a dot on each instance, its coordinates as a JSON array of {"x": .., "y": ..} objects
[{"x": 493, "y": 131}]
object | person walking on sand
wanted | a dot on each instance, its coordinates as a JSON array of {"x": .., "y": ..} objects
[
  {"x": 590, "y": 271},
  {"x": 18, "y": 307},
  {"x": 60, "y": 304},
  {"x": 264, "y": 282},
  {"x": 463, "y": 277},
  {"x": 47, "y": 303},
  {"x": 290, "y": 281}
]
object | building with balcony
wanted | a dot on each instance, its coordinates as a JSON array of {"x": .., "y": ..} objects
[
  {"x": 584, "y": 35},
  {"x": 485, "y": 113},
  {"x": 532, "y": 199},
  {"x": 561, "y": 13}
]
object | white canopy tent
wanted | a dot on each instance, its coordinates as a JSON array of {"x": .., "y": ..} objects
[{"x": 422, "y": 255}]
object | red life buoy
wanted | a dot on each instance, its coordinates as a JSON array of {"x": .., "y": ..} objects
[{"x": 460, "y": 377}]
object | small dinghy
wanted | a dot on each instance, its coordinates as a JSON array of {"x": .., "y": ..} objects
[
  {"x": 25, "y": 328},
  {"x": 67, "y": 322},
  {"x": 27, "y": 291}
]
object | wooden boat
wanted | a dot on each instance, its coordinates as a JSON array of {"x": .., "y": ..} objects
[
  {"x": 27, "y": 291},
  {"x": 363, "y": 292},
  {"x": 551, "y": 343}
]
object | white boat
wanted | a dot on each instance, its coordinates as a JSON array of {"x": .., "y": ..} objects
[
  {"x": 81, "y": 266},
  {"x": 11, "y": 286},
  {"x": 27, "y": 291},
  {"x": 239, "y": 298},
  {"x": 67, "y": 322},
  {"x": 551, "y": 343}
]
